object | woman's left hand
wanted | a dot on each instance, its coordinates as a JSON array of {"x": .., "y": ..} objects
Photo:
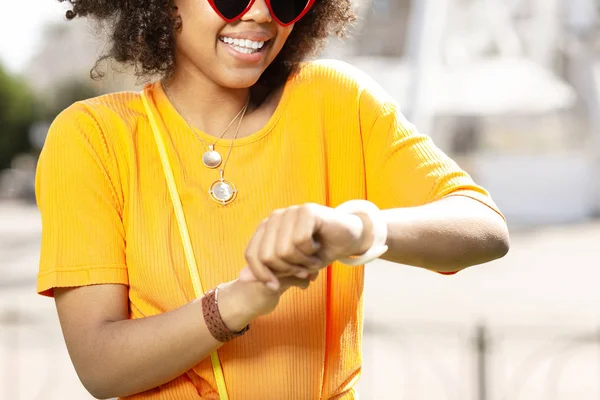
[{"x": 301, "y": 240}]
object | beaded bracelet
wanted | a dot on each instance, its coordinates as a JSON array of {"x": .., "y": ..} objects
[{"x": 214, "y": 321}]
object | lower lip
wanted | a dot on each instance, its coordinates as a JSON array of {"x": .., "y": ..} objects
[{"x": 249, "y": 58}]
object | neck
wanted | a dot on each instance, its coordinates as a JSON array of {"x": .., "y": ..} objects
[{"x": 196, "y": 98}]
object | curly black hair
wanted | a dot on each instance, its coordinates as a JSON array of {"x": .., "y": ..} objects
[{"x": 142, "y": 34}]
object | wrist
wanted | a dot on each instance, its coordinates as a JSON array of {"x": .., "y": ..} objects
[
  {"x": 365, "y": 240},
  {"x": 377, "y": 239},
  {"x": 233, "y": 308}
]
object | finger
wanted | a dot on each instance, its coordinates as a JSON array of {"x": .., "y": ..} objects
[
  {"x": 304, "y": 231},
  {"x": 260, "y": 271},
  {"x": 286, "y": 248},
  {"x": 283, "y": 269},
  {"x": 246, "y": 275},
  {"x": 287, "y": 283},
  {"x": 268, "y": 253}
]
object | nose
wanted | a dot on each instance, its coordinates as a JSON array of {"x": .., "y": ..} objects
[{"x": 259, "y": 13}]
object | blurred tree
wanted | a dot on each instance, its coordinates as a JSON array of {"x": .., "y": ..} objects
[
  {"x": 65, "y": 94},
  {"x": 17, "y": 112},
  {"x": 22, "y": 112}
]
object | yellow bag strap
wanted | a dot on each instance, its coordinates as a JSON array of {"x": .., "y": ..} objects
[{"x": 184, "y": 232}]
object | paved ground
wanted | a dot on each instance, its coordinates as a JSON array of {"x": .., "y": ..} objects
[{"x": 540, "y": 305}]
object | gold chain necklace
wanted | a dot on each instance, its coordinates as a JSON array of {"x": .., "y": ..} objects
[
  {"x": 211, "y": 158},
  {"x": 220, "y": 191}
]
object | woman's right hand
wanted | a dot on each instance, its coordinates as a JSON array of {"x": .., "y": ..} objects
[{"x": 246, "y": 298}]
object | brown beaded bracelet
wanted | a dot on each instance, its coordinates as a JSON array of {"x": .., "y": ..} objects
[{"x": 214, "y": 321}]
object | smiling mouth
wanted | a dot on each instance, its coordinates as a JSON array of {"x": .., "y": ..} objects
[{"x": 244, "y": 46}]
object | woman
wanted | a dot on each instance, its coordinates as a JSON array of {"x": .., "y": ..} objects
[{"x": 269, "y": 158}]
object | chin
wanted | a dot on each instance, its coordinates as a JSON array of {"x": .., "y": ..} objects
[{"x": 239, "y": 79}]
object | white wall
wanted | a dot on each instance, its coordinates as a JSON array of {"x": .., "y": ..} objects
[{"x": 540, "y": 189}]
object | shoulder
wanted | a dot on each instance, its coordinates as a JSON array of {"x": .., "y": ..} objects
[
  {"x": 330, "y": 74},
  {"x": 331, "y": 71},
  {"x": 101, "y": 127},
  {"x": 106, "y": 111},
  {"x": 343, "y": 81},
  {"x": 341, "y": 74},
  {"x": 106, "y": 122}
]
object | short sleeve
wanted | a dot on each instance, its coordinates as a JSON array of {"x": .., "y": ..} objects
[
  {"x": 78, "y": 194},
  {"x": 403, "y": 167}
]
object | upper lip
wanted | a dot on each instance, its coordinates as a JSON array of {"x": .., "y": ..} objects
[{"x": 255, "y": 36}]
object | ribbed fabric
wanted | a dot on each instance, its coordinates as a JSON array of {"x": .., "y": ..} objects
[{"x": 107, "y": 218}]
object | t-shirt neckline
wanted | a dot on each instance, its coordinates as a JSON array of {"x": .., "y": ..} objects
[{"x": 170, "y": 114}]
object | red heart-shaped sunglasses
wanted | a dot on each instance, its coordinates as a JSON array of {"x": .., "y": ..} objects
[{"x": 284, "y": 12}]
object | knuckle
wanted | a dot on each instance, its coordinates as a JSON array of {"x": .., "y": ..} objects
[
  {"x": 282, "y": 252},
  {"x": 304, "y": 284},
  {"x": 306, "y": 209},
  {"x": 292, "y": 210},
  {"x": 314, "y": 268},
  {"x": 286, "y": 251},
  {"x": 267, "y": 257},
  {"x": 299, "y": 240},
  {"x": 309, "y": 207},
  {"x": 249, "y": 256},
  {"x": 278, "y": 212}
]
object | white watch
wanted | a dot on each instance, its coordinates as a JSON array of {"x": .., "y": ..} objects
[{"x": 379, "y": 247}]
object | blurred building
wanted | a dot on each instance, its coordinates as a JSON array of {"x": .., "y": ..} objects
[
  {"x": 67, "y": 52},
  {"x": 386, "y": 28},
  {"x": 510, "y": 90}
]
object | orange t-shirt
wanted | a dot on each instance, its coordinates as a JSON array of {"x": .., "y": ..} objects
[{"x": 107, "y": 218}]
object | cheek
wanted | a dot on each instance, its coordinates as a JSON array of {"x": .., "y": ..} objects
[
  {"x": 283, "y": 34},
  {"x": 200, "y": 23},
  {"x": 197, "y": 41}
]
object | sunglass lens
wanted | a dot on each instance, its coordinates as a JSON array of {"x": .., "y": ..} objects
[
  {"x": 288, "y": 11},
  {"x": 231, "y": 9}
]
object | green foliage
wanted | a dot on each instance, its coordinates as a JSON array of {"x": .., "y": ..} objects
[
  {"x": 17, "y": 112},
  {"x": 64, "y": 95},
  {"x": 21, "y": 109}
]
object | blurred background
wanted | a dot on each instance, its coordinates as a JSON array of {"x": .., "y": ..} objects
[{"x": 508, "y": 88}]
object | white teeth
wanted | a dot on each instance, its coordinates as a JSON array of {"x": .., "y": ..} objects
[
  {"x": 243, "y": 44},
  {"x": 243, "y": 50}
]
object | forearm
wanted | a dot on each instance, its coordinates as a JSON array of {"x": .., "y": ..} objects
[
  {"x": 131, "y": 356},
  {"x": 447, "y": 235}
]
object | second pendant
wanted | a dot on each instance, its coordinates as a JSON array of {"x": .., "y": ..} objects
[{"x": 222, "y": 192}]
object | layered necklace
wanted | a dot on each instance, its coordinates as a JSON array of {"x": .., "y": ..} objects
[{"x": 221, "y": 191}]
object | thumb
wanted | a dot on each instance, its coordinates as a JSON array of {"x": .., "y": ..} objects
[
  {"x": 310, "y": 246},
  {"x": 287, "y": 283},
  {"x": 246, "y": 275}
]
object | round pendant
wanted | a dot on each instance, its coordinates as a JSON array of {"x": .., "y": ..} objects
[
  {"x": 211, "y": 159},
  {"x": 222, "y": 192}
]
